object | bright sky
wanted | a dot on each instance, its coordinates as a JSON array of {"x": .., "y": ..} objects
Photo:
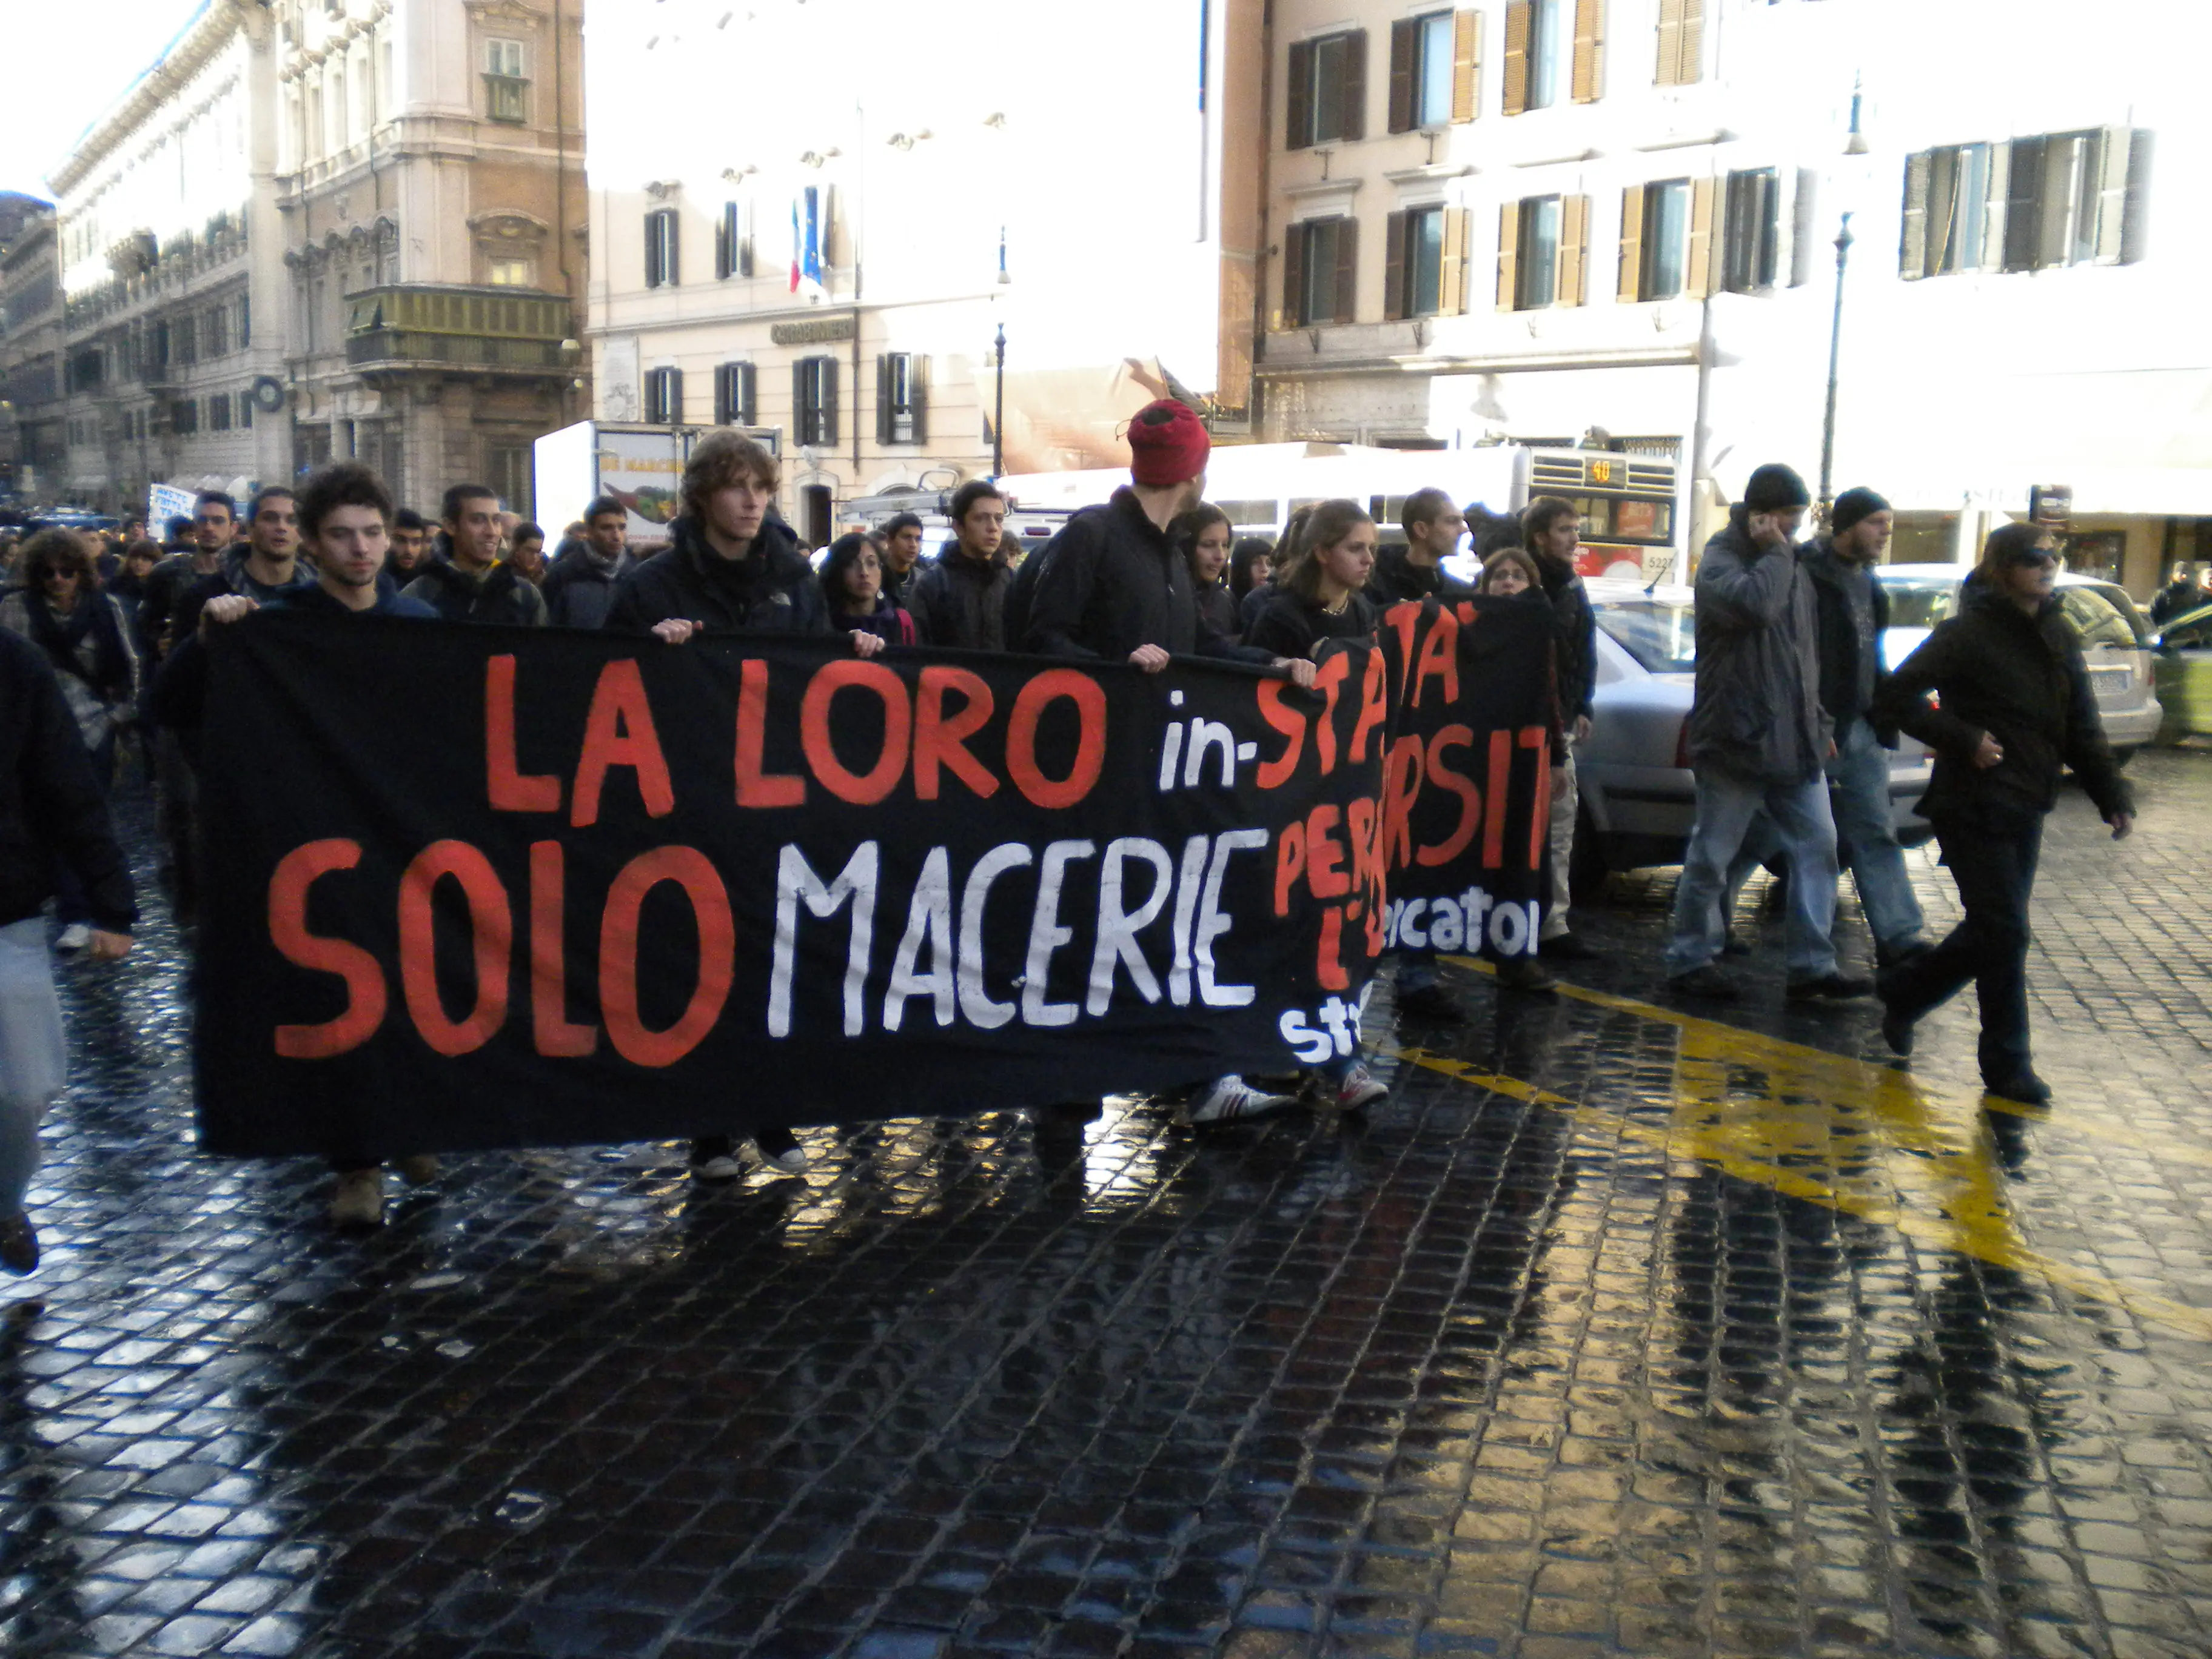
[{"x": 68, "y": 63}]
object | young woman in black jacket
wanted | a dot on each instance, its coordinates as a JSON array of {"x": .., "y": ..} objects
[
  {"x": 2013, "y": 706},
  {"x": 1319, "y": 598},
  {"x": 1203, "y": 534}
]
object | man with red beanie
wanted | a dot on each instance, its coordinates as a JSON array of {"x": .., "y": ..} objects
[{"x": 1112, "y": 585}]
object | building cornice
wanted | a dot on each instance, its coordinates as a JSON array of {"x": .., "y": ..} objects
[
  {"x": 1656, "y": 357},
  {"x": 192, "y": 53}
]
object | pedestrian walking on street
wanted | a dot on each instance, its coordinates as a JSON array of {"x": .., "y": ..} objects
[
  {"x": 730, "y": 566},
  {"x": 53, "y": 816},
  {"x": 1111, "y": 587},
  {"x": 525, "y": 553},
  {"x": 1433, "y": 526},
  {"x": 902, "y": 554},
  {"x": 1251, "y": 561},
  {"x": 852, "y": 585},
  {"x": 960, "y": 599},
  {"x": 1550, "y": 531},
  {"x": 1203, "y": 535},
  {"x": 2182, "y": 593},
  {"x": 86, "y": 637},
  {"x": 1759, "y": 738},
  {"x": 410, "y": 546},
  {"x": 1511, "y": 573},
  {"x": 267, "y": 569},
  {"x": 470, "y": 583},
  {"x": 139, "y": 558},
  {"x": 581, "y": 584},
  {"x": 2012, "y": 705}
]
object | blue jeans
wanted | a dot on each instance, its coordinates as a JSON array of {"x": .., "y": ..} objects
[
  {"x": 34, "y": 1054},
  {"x": 1726, "y": 807},
  {"x": 1866, "y": 840}
]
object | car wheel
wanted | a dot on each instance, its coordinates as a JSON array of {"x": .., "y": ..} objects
[{"x": 1587, "y": 869}]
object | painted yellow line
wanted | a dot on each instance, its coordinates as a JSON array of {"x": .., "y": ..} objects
[{"x": 1748, "y": 1045}]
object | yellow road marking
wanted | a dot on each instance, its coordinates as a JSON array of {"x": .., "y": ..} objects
[{"x": 1816, "y": 1126}]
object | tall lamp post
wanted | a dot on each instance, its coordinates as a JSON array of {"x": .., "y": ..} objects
[
  {"x": 1855, "y": 145},
  {"x": 999, "y": 349}
]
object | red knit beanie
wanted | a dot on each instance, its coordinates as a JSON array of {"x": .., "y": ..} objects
[{"x": 1168, "y": 444}]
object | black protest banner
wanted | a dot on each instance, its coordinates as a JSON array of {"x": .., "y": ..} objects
[
  {"x": 473, "y": 887},
  {"x": 1466, "y": 780}
]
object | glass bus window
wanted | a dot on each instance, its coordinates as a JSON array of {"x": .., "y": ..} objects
[
  {"x": 1644, "y": 521},
  {"x": 1245, "y": 513}
]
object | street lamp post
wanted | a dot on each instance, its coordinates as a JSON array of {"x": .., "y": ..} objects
[
  {"x": 999, "y": 417},
  {"x": 1835, "y": 351}
]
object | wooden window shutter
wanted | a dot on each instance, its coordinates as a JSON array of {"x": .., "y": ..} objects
[
  {"x": 1515, "y": 100},
  {"x": 1355, "y": 84},
  {"x": 802, "y": 417},
  {"x": 1402, "y": 40},
  {"x": 1574, "y": 241},
  {"x": 1294, "y": 277},
  {"x": 676, "y": 397},
  {"x": 883, "y": 399},
  {"x": 1508, "y": 254},
  {"x": 672, "y": 249},
  {"x": 1299, "y": 98},
  {"x": 1347, "y": 268},
  {"x": 725, "y": 401},
  {"x": 655, "y": 277},
  {"x": 2113, "y": 195},
  {"x": 1451, "y": 281},
  {"x": 1590, "y": 42},
  {"x": 1630, "y": 289},
  {"x": 2024, "y": 204},
  {"x": 829, "y": 400},
  {"x": 1699, "y": 266},
  {"x": 1690, "y": 59},
  {"x": 1466, "y": 66},
  {"x": 917, "y": 396},
  {"x": 1912, "y": 246},
  {"x": 1394, "y": 267},
  {"x": 1670, "y": 72},
  {"x": 1993, "y": 210}
]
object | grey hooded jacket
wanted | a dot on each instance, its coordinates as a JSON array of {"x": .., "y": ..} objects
[{"x": 1758, "y": 716}]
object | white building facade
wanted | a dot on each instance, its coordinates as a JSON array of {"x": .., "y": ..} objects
[
  {"x": 1113, "y": 156},
  {"x": 1615, "y": 221},
  {"x": 167, "y": 249}
]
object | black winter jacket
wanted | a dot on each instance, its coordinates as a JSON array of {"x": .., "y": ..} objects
[
  {"x": 50, "y": 802},
  {"x": 1839, "y": 639},
  {"x": 1112, "y": 580},
  {"x": 233, "y": 578},
  {"x": 772, "y": 590},
  {"x": 1578, "y": 625},
  {"x": 2022, "y": 679},
  {"x": 1396, "y": 579},
  {"x": 577, "y": 591},
  {"x": 499, "y": 595},
  {"x": 1289, "y": 626},
  {"x": 959, "y": 601}
]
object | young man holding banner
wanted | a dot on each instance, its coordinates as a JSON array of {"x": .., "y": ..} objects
[{"x": 729, "y": 567}]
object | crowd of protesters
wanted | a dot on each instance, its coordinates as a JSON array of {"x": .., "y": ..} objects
[{"x": 1792, "y": 714}]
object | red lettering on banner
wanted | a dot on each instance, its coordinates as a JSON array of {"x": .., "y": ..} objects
[
  {"x": 1374, "y": 706},
  {"x": 754, "y": 786},
  {"x": 1291, "y": 725},
  {"x": 942, "y": 741},
  {"x": 1404, "y": 616},
  {"x": 1290, "y": 864},
  {"x": 619, "y": 731},
  {"x": 1501, "y": 776},
  {"x": 510, "y": 790},
  {"x": 1439, "y": 659},
  {"x": 690, "y": 869},
  {"x": 1369, "y": 874},
  {"x": 491, "y": 931},
  {"x": 1328, "y": 680},
  {"x": 367, "y": 998},
  {"x": 862, "y": 789},
  {"x": 1540, "y": 819},
  {"x": 556, "y": 1036},
  {"x": 1325, "y": 872},
  {"x": 1090, "y": 700},
  {"x": 1328, "y": 959},
  {"x": 1402, "y": 772},
  {"x": 1470, "y": 800}
]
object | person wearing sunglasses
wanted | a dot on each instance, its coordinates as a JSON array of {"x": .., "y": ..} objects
[{"x": 2012, "y": 705}]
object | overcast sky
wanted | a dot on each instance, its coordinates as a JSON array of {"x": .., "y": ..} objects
[{"x": 68, "y": 60}]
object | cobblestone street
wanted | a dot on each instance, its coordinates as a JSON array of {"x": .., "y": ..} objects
[{"x": 1615, "y": 1329}]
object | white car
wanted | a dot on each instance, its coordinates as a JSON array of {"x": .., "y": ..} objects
[
  {"x": 2116, "y": 641},
  {"x": 1638, "y": 796}
]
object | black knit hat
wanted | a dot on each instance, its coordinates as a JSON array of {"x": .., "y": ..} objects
[
  {"x": 1851, "y": 507},
  {"x": 1774, "y": 487}
]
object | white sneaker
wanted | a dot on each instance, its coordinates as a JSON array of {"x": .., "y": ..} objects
[
  {"x": 1231, "y": 1098},
  {"x": 1357, "y": 1088},
  {"x": 359, "y": 1199},
  {"x": 723, "y": 1166},
  {"x": 791, "y": 1160},
  {"x": 75, "y": 937}
]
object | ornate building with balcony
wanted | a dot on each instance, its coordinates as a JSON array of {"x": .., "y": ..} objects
[
  {"x": 430, "y": 181},
  {"x": 165, "y": 246},
  {"x": 34, "y": 423}
]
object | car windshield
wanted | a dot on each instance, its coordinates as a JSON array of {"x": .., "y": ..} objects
[
  {"x": 1920, "y": 604},
  {"x": 1660, "y": 637},
  {"x": 2102, "y": 616}
]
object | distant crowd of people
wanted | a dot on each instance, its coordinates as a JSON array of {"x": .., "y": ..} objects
[{"x": 1794, "y": 713}]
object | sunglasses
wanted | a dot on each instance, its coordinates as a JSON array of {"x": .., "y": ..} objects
[{"x": 2033, "y": 560}]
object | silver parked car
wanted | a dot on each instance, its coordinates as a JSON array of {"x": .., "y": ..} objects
[
  {"x": 1638, "y": 795},
  {"x": 2116, "y": 641}
]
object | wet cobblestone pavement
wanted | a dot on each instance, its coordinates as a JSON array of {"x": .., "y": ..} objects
[{"x": 1614, "y": 1330}]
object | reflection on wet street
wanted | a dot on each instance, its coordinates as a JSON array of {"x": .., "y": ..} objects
[{"x": 1615, "y": 1329}]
